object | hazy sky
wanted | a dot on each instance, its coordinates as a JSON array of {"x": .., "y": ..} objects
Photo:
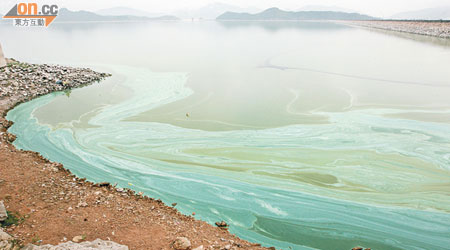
[{"x": 381, "y": 8}]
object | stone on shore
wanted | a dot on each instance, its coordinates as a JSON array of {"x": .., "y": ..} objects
[
  {"x": 181, "y": 243},
  {"x": 2, "y": 58},
  {"x": 3, "y": 213},
  {"x": 222, "y": 224},
  {"x": 77, "y": 239},
  {"x": 4, "y": 236},
  {"x": 5, "y": 240},
  {"x": 87, "y": 245}
]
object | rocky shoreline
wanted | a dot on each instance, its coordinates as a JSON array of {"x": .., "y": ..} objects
[
  {"x": 439, "y": 29},
  {"x": 47, "y": 204}
]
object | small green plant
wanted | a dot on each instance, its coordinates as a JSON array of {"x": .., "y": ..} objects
[
  {"x": 11, "y": 64},
  {"x": 67, "y": 92},
  {"x": 36, "y": 240},
  {"x": 16, "y": 244},
  {"x": 13, "y": 219}
]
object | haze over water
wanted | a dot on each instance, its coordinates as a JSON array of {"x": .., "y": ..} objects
[{"x": 308, "y": 135}]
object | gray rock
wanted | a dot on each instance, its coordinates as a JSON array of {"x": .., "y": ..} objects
[
  {"x": 5, "y": 240},
  {"x": 3, "y": 213},
  {"x": 4, "y": 236},
  {"x": 181, "y": 243},
  {"x": 2, "y": 58},
  {"x": 6, "y": 245},
  {"x": 97, "y": 244}
]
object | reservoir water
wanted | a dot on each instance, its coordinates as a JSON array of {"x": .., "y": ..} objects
[{"x": 301, "y": 135}]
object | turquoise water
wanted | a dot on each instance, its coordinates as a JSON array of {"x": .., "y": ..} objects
[{"x": 296, "y": 141}]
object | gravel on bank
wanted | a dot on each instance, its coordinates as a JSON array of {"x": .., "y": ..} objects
[{"x": 439, "y": 29}]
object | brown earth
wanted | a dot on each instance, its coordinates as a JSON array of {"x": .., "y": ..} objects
[{"x": 54, "y": 206}]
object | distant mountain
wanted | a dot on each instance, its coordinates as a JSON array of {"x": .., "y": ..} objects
[
  {"x": 66, "y": 15},
  {"x": 212, "y": 11},
  {"x": 277, "y": 14},
  {"x": 442, "y": 13},
  {"x": 125, "y": 11},
  {"x": 325, "y": 8}
]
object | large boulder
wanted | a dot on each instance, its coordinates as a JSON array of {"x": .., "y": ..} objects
[
  {"x": 97, "y": 244},
  {"x": 2, "y": 58}
]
